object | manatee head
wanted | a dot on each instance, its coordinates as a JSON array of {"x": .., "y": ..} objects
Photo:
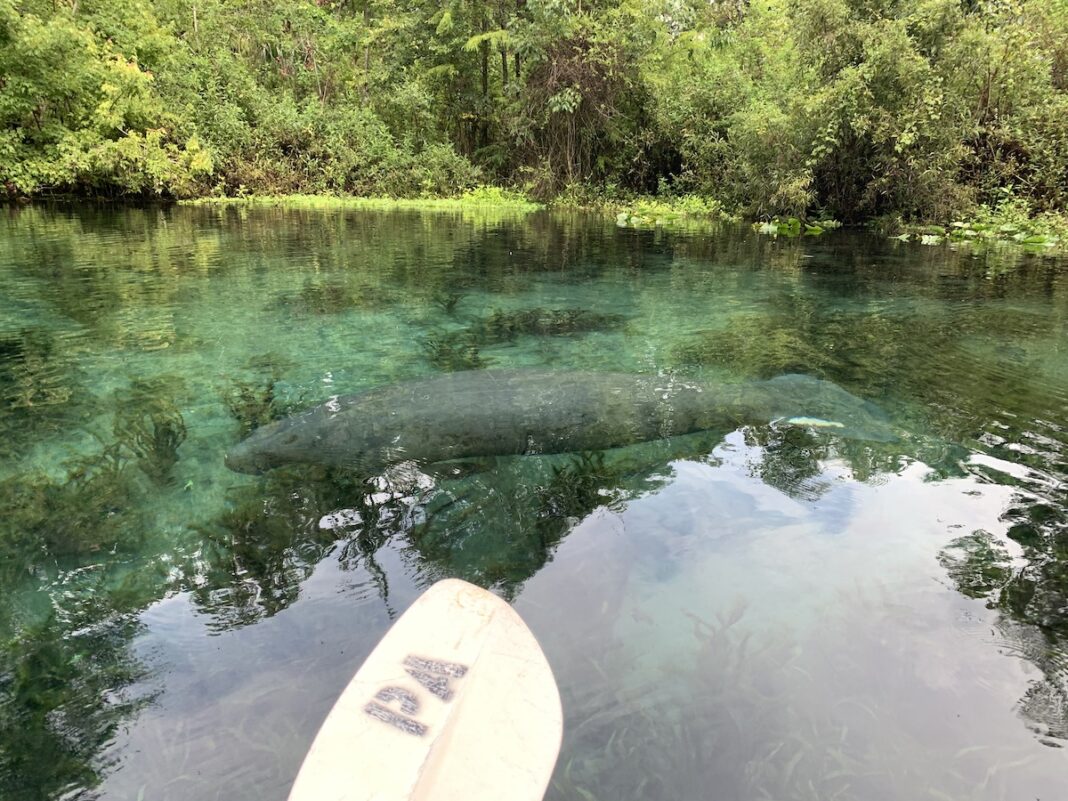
[
  {"x": 804, "y": 400},
  {"x": 282, "y": 442}
]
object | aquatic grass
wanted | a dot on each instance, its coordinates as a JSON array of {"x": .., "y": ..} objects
[
  {"x": 447, "y": 300},
  {"x": 42, "y": 389},
  {"x": 706, "y": 712},
  {"x": 977, "y": 564},
  {"x": 149, "y": 426},
  {"x": 253, "y": 404},
  {"x": 1000, "y": 231},
  {"x": 318, "y": 297},
  {"x": 453, "y": 351},
  {"x": 689, "y": 213},
  {"x": 273, "y": 533},
  {"x": 764, "y": 348},
  {"x": 86, "y": 511},
  {"x": 256, "y": 401},
  {"x": 154, "y": 439},
  {"x": 740, "y": 711},
  {"x": 791, "y": 227},
  {"x": 68, "y": 688},
  {"x": 484, "y": 198},
  {"x": 504, "y": 326},
  {"x": 791, "y": 459}
]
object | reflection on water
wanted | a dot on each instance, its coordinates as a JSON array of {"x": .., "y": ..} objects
[{"x": 772, "y": 611}]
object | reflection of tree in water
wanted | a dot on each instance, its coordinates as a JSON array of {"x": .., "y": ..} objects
[
  {"x": 967, "y": 368},
  {"x": 494, "y": 524},
  {"x": 497, "y": 528},
  {"x": 65, "y": 685},
  {"x": 1031, "y": 595},
  {"x": 257, "y": 554},
  {"x": 790, "y": 460}
]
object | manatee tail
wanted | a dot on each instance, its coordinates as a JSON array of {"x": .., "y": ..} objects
[{"x": 809, "y": 401}]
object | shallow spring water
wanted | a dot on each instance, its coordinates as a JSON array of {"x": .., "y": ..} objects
[{"x": 764, "y": 613}]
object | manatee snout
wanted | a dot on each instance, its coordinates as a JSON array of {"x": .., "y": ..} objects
[
  {"x": 242, "y": 459},
  {"x": 262, "y": 449}
]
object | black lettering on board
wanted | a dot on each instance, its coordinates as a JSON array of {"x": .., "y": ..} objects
[
  {"x": 451, "y": 669},
  {"x": 432, "y": 674},
  {"x": 406, "y": 725},
  {"x": 409, "y": 704}
]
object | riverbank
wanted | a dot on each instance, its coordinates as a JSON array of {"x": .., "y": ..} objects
[{"x": 1009, "y": 225}]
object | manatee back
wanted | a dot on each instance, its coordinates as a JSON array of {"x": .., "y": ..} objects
[
  {"x": 486, "y": 413},
  {"x": 504, "y": 412}
]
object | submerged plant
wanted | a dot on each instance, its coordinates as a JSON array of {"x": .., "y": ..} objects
[
  {"x": 40, "y": 380},
  {"x": 453, "y": 351},
  {"x": 256, "y": 402},
  {"x": 977, "y": 564},
  {"x": 253, "y": 405},
  {"x": 763, "y": 347},
  {"x": 790, "y": 459},
  {"x": 69, "y": 683},
  {"x": 504, "y": 326},
  {"x": 87, "y": 509},
  {"x": 447, "y": 301},
  {"x": 153, "y": 437},
  {"x": 713, "y": 716},
  {"x": 334, "y": 297}
]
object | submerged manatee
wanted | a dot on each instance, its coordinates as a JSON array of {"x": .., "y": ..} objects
[{"x": 501, "y": 413}]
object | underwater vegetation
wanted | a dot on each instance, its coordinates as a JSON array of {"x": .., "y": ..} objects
[
  {"x": 253, "y": 404},
  {"x": 325, "y": 297},
  {"x": 39, "y": 389},
  {"x": 575, "y": 489},
  {"x": 453, "y": 351},
  {"x": 460, "y": 349},
  {"x": 91, "y": 508},
  {"x": 154, "y": 438},
  {"x": 150, "y": 427},
  {"x": 504, "y": 326},
  {"x": 33, "y": 371},
  {"x": 707, "y": 711},
  {"x": 447, "y": 301},
  {"x": 537, "y": 499},
  {"x": 978, "y": 564},
  {"x": 765, "y": 350},
  {"x": 791, "y": 459},
  {"x": 737, "y": 709},
  {"x": 96, "y": 502},
  {"x": 256, "y": 402}
]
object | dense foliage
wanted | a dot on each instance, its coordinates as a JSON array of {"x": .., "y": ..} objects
[{"x": 852, "y": 108}]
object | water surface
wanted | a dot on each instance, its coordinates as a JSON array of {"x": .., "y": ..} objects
[{"x": 771, "y": 612}]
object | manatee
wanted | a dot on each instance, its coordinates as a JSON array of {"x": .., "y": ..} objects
[{"x": 483, "y": 413}]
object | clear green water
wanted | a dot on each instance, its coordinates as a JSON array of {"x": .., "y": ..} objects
[{"x": 768, "y": 613}]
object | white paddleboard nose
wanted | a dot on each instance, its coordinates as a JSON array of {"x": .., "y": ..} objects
[{"x": 456, "y": 703}]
